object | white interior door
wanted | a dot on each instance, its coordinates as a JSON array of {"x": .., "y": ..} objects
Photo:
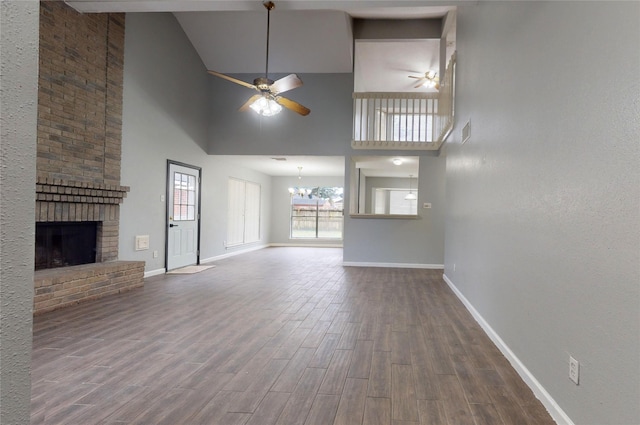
[{"x": 183, "y": 216}]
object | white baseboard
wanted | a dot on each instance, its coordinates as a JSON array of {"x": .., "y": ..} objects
[
  {"x": 549, "y": 403},
  {"x": 154, "y": 272},
  {"x": 393, "y": 265},
  {"x": 233, "y": 253},
  {"x": 310, "y": 245},
  {"x": 257, "y": 247}
]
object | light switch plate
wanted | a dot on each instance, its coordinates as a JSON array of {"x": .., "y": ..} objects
[
  {"x": 574, "y": 370},
  {"x": 426, "y": 205}
]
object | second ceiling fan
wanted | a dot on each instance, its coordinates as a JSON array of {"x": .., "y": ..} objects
[
  {"x": 268, "y": 101},
  {"x": 429, "y": 80}
]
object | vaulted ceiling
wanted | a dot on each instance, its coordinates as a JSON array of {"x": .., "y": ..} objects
[{"x": 306, "y": 36}]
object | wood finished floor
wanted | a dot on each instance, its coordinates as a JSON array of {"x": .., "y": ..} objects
[{"x": 276, "y": 336}]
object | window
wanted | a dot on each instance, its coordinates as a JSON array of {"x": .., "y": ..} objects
[
  {"x": 243, "y": 212},
  {"x": 317, "y": 212},
  {"x": 184, "y": 197}
]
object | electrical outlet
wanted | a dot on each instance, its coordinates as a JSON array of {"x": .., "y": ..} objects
[
  {"x": 574, "y": 370},
  {"x": 155, "y": 254}
]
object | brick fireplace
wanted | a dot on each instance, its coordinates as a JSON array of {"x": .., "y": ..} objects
[{"x": 81, "y": 64}]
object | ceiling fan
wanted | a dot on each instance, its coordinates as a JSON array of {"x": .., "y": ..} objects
[
  {"x": 429, "y": 79},
  {"x": 268, "y": 101}
]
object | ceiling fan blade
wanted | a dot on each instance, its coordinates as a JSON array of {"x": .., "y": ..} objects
[
  {"x": 233, "y": 80},
  {"x": 413, "y": 76},
  {"x": 420, "y": 84},
  {"x": 248, "y": 103},
  {"x": 284, "y": 84},
  {"x": 294, "y": 106}
]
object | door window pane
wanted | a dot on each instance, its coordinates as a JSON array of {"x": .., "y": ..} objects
[{"x": 184, "y": 197}]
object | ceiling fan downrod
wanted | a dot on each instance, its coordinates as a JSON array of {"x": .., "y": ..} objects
[{"x": 269, "y": 5}]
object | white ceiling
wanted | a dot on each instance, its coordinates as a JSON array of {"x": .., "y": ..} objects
[
  {"x": 381, "y": 66},
  {"x": 306, "y": 36},
  {"x": 399, "y": 9}
]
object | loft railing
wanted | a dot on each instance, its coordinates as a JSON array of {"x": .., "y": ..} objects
[
  {"x": 446, "y": 111},
  {"x": 412, "y": 121}
]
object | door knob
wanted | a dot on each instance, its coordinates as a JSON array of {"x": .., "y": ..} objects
[{"x": 173, "y": 225}]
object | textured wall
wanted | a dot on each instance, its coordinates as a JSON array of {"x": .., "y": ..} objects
[
  {"x": 544, "y": 199},
  {"x": 18, "y": 94}
]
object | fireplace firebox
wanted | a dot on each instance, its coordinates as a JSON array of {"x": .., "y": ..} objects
[{"x": 62, "y": 244}]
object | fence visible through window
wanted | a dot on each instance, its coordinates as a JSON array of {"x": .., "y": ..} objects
[{"x": 317, "y": 213}]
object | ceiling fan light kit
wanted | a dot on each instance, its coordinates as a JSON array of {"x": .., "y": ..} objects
[
  {"x": 266, "y": 107},
  {"x": 269, "y": 102}
]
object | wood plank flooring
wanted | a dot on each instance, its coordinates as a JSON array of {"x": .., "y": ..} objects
[{"x": 278, "y": 336}]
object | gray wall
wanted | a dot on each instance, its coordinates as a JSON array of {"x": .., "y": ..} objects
[
  {"x": 281, "y": 207},
  {"x": 325, "y": 131},
  {"x": 404, "y": 241},
  {"x": 18, "y": 120},
  {"x": 544, "y": 199},
  {"x": 165, "y": 116},
  {"x": 174, "y": 110}
]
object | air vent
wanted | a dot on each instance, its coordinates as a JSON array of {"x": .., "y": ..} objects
[{"x": 279, "y": 158}]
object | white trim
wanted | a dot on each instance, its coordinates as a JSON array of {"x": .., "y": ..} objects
[
  {"x": 303, "y": 245},
  {"x": 549, "y": 403},
  {"x": 154, "y": 272},
  {"x": 231, "y": 254},
  {"x": 393, "y": 265}
]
